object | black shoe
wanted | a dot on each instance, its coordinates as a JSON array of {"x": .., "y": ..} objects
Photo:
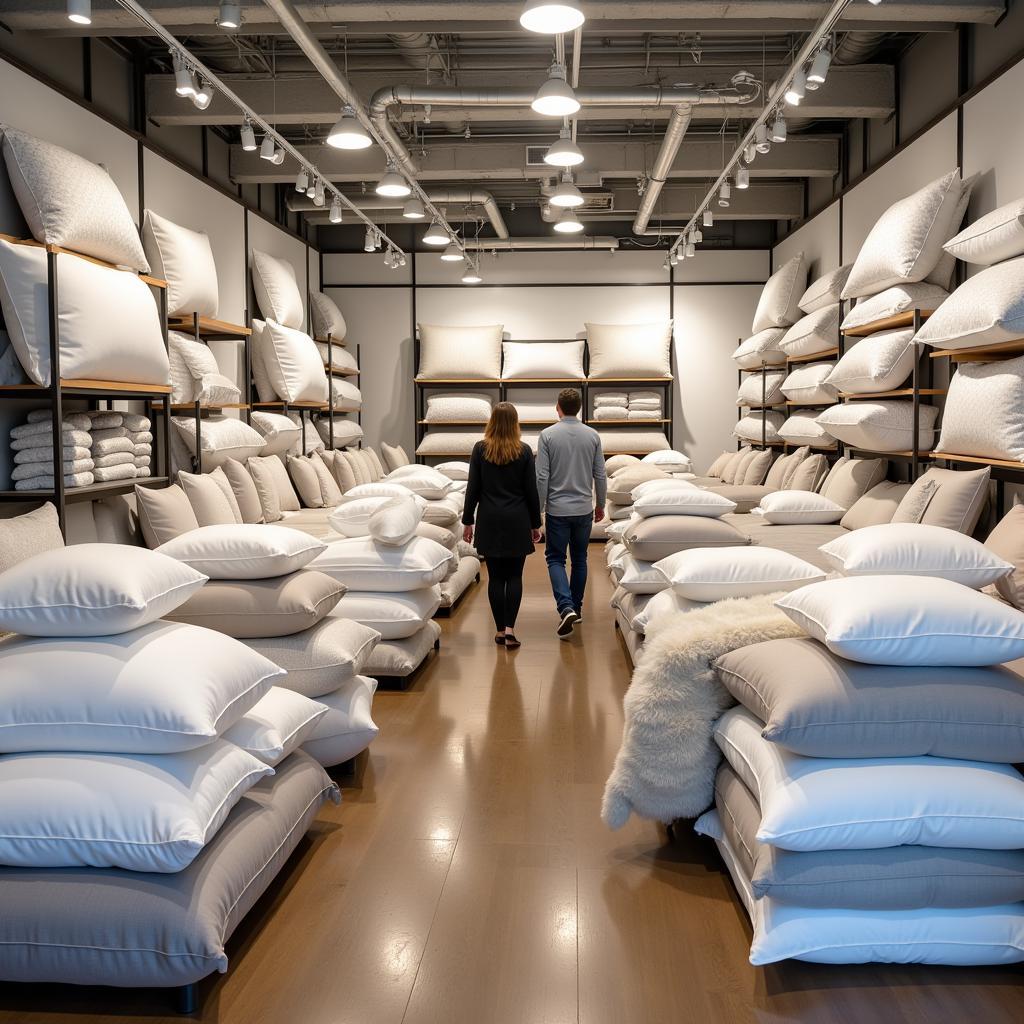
[
  {"x": 500, "y": 639},
  {"x": 579, "y": 617},
  {"x": 511, "y": 642},
  {"x": 567, "y": 624}
]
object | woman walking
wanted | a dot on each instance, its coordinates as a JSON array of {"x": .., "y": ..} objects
[{"x": 501, "y": 500}]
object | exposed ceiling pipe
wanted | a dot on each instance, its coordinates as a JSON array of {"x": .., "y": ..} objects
[
  {"x": 677, "y": 125},
  {"x": 416, "y": 48},
  {"x": 542, "y": 242}
]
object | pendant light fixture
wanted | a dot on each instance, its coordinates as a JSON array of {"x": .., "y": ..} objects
[
  {"x": 724, "y": 195},
  {"x": 370, "y": 242},
  {"x": 568, "y": 224},
  {"x": 471, "y": 274},
  {"x": 80, "y": 12},
  {"x": 183, "y": 84},
  {"x": 335, "y": 210},
  {"x": 742, "y": 178},
  {"x": 566, "y": 194},
  {"x": 556, "y": 98},
  {"x": 203, "y": 95},
  {"x": 550, "y": 19},
  {"x": 393, "y": 185},
  {"x": 248, "y": 137},
  {"x": 318, "y": 193},
  {"x": 564, "y": 152},
  {"x": 778, "y": 133},
  {"x": 413, "y": 209},
  {"x": 229, "y": 16},
  {"x": 436, "y": 235},
  {"x": 819, "y": 69},
  {"x": 348, "y": 133},
  {"x": 797, "y": 88},
  {"x": 709, "y": 219},
  {"x": 302, "y": 180},
  {"x": 761, "y": 141},
  {"x": 453, "y": 254}
]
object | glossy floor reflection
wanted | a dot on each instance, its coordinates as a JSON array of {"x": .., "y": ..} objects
[{"x": 467, "y": 877}]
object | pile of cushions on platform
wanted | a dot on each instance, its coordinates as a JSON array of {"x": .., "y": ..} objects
[
  {"x": 858, "y": 823},
  {"x": 97, "y": 446}
]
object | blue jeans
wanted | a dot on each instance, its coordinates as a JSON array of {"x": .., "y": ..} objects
[{"x": 572, "y": 534}]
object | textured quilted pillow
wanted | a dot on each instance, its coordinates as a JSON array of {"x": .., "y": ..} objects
[
  {"x": 544, "y": 359},
  {"x": 762, "y": 347},
  {"x": 327, "y": 318},
  {"x": 222, "y": 438},
  {"x": 898, "y": 299},
  {"x": 984, "y": 411},
  {"x": 802, "y": 427},
  {"x": 749, "y": 426},
  {"x": 758, "y": 389},
  {"x": 277, "y": 291},
  {"x": 629, "y": 350},
  {"x": 460, "y": 353},
  {"x": 184, "y": 259},
  {"x": 880, "y": 362},
  {"x": 807, "y": 383},
  {"x": 884, "y": 426},
  {"x": 826, "y": 290},
  {"x": 779, "y": 304},
  {"x": 816, "y": 332},
  {"x": 458, "y": 408}
]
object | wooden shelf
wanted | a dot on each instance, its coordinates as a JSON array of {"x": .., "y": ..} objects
[
  {"x": 492, "y": 382},
  {"x": 983, "y": 354},
  {"x": 455, "y": 423},
  {"x": 88, "y": 388},
  {"x": 897, "y": 393},
  {"x": 624, "y": 423},
  {"x": 894, "y": 455},
  {"x": 810, "y": 405},
  {"x": 90, "y": 493},
  {"x": 317, "y": 406},
  {"x": 333, "y": 341},
  {"x": 340, "y": 373},
  {"x": 191, "y": 407},
  {"x": 209, "y": 327},
  {"x": 889, "y": 323},
  {"x": 828, "y": 353},
  {"x": 526, "y": 381},
  {"x": 976, "y": 460}
]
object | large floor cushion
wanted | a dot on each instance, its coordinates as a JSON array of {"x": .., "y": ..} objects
[
  {"x": 401, "y": 658},
  {"x": 802, "y": 541},
  {"x": 92, "y": 926},
  {"x": 458, "y": 582}
]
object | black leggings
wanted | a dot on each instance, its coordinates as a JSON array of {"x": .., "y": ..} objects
[{"x": 505, "y": 589}]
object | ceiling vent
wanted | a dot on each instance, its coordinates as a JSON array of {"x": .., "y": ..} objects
[
  {"x": 535, "y": 156},
  {"x": 596, "y": 200}
]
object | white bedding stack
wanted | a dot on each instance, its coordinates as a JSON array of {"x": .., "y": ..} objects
[{"x": 32, "y": 447}]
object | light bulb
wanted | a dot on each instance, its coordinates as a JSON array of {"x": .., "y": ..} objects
[
  {"x": 797, "y": 88},
  {"x": 203, "y": 95},
  {"x": 761, "y": 143},
  {"x": 742, "y": 177},
  {"x": 183, "y": 82},
  {"x": 267, "y": 148},
  {"x": 568, "y": 224},
  {"x": 348, "y": 133},
  {"x": 691, "y": 250},
  {"x": 819, "y": 68},
  {"x": 779, "y": 129},
  {"x": 335, "y": 210},
  {"x": 564, "y": 152},
  {"x": 452, "y": 254},
  {"x": 248, "y": 137},
  {"x": 302, "y": 181},
  {"x": 566, "y": 194},
  {"x": 555, "y": 98},
  {"x": 413, "y": 209},
  {"x": 472, "y": 273},
  {"x": 724, "y": 194},
  {"x": 550, "y": 19},
  {"x": 436, "y": 235},
  {"x": 80, "y": 11},
  {"x": 392, "y": 185},
  {"x": 709, "y": 219},
  {"x": 370, "y": 242},
  {"x": 230, "y": 16}
]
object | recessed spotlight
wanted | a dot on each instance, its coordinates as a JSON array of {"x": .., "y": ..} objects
[
  {"x": 550, "y": 19},
  {"x": 819, "y": 68},
  {"x": 229, "y": 16},
  {"x": 564, "y": 152},
  {"x": 436, "y": 235},
  {"x": 80, "y": 11},
  {"x": 568, "y": 224},
  {"x": 797, "y": 88},
  {"x": 556, "y": 98},
  {"x": 348, "y": 133},
  {"x": 453, "y": 254}
]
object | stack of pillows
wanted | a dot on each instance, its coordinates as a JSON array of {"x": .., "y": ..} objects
[
  {"x": 627, "y": 405},
  {"x": 868, "y": 808}
]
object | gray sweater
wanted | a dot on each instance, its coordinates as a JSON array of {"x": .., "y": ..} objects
[{"x": 570, "y": 469}]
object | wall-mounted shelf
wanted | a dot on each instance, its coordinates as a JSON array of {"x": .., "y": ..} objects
[
  {"x": 208, "y": 327},
  {"x": 491, "y": 382},
  {"x": 313, "y": 406},
  {"x": 340, "y": 373},
  {"x": 976, "y": 460},
  {"x": 89, "y": 389},
  {"x": 623, "y": 423},
  {"x": 191, "y": 407},
  {"x": 810, "y": 405},
  {"x": 891, "y": 455},
  {"x": 909, "y": 318},
  {"x": 90, "y": 492},
  {"x": 814, "y": 357},
  {"x": 897, "y": 393},
  {"x": 983, "y": 354}
]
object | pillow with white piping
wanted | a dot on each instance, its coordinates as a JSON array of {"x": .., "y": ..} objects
[
  {"x": 363, "y": 564},
  {"x": 815, "y": 332},
  {"x": 683, "y": 501},
  {"x": 347, "y": 397},
  {"x": 277, "y": 290},
  {"x": 779, "y": 304},
  {"x": 671, "y": 458},
  {"x": 379, "y": 489},
  {"x": 915, "y": 549},
  {"x": 425, "y": 481},
  {"x": 395, "y": 521},
  {"x": 759, "y": 348},
  {"x": 630, "y": 350},
  {"x": 221, "y": 438},
  {"x": 749, "y": 428},
  {"x": 346, "y": 432},
  {"x": 788, "y": 508},
  {"x": 895, "y": 300},
  {"x": 825, "y": 290},
  {"x": 264, "y": 389},
  {"x": 348, "y": 727},
  {"x": 542, "y": 359},
  {"x": 886, "y": 425},
  {"x": 637, "y": 577},
  {"x": 184, "y": 259},
  {"x": 352, "y": 518},
  {"x": 460, "y": 352},
  {"x": 660, "y": 484},
  {"x": 277, "y": 726},
  {"x": 327, "y": 318},
  {"x": 997, "y": 236},
  {"x": 807, "y": 383},
  {"x": 279, "y": 432},
  {"x": 714, "y": 574},
  {"x": 394, "y": 616},
  {"x": 244, "y": 552},
  {"x": 342, "y": 360},
  {"x": 879, "y": 362},
  {"x": 293, "y": 364},
  {"x": 457, "y": 471}
]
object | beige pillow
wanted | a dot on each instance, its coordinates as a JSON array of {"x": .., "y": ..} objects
[
  {"x": 218, "y": 476},
  {"x": 246, "y": 496},
  {"x": 876, "y": 507},
  {"x": 394, "y": 456},
  {"x": 741, "y": 466},
  {"x": 850, "y": 479},
  {"x": 616, "y": 462},
  {"x": 730, "y": 469},
  {"x": 1007, "y": 541},
  {"x": 620, "y": 487},
  {"x": 342, "y": 471},
  {"x": 31, "y": 534},
  {"x": 208, "y": 502},
  {"x": 446, "y": 538},
  {"x": 358, "y": 468},
  {"x": 306, "y": 481},
  {"x": 329, "y": 489},
  {"x": 657, "y": 537},
  {"x": 266, "y": 487},
  {"x": 164, "y": 513},
  {"x": 286, "y": 496},
  {"x": 716, "y": 467},
  {"x": 262, "y": 608},
  {"x": 946, "y": 497},
  {"x": 808, "y": 474},
  {"x": 756, "y": 468},
  {"x": 781, "y": 468},
  {"x": 369, "y": 466},
  {"x": 375, "y": 458}
]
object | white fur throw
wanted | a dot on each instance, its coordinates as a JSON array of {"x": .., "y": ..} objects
[{"x": 665, "y": 768}]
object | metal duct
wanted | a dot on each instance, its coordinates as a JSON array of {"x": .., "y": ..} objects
[
  {"x": 544, "y": 242},
  {"x": 858, "y": 47},
  {"x": 677, "y": 125},
  {"x": 416, "y": 48}
]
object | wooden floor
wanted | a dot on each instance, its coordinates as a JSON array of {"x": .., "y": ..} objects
[{"x": 467, "y": 878}]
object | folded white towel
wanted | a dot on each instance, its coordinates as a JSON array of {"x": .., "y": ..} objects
[
  {"x": 68, "y": 439},
  {"x": 103, "y": 419},
  {"x": 645, "y": 403},
  {"x": 140, "y": 436},
  {"x": 611, "y": 412},
  {"x": 644, "y": 396},
  {"x": 115, "y": 473},
  {"x": 78, "y": 420},
  {"x": 45, "y": 455},
  {"x": 42, "y": 428},
  {"x": 134, "y": 421},
  {"x": 644, "y": 414},
  {"x": 144, "y": 449},
  {"x": 142, "y": 460},
  {"x": 45, "y": 483},
  {"x": 34, "y": 470},
  {"x": 112, "y": 445},
  {"x": 107, "y": 433},
  {"x": 611, "y": 398},
  {"x": 143, "y": 471},
  {"x": 114, "y": 459}
]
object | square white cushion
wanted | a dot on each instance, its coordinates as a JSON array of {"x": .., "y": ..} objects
[
  {"x": 279, "y": 433},
  {"x": 394, "y": 615},
  {"x": 346, "y": 396},
  {"x": 70, "y": 201},
  {"x": 681, "y": 500},
  {"x": 882, "y": 426},
  {"x": 670, "y": 461},
  {"x": 817, "y": 803},
  {"x": 293, "y": 364},
  {"x": 184, "y": 259},
  {"x": 364, "y": 564},
  {"x": 277, "y": 291},
  {"x": 815, "y": 332},
  {"x": 93, "y": 343},
  {"x": 348, "y": 727},
  {"x": 221, "y": 438},
  {"x": 277, "y": 725},
  {"x": 448, "y": 442},
  {"x": 880, "y": 362},
  {"x": 997, "y": 236},
  {"x": 807, "y": 383},
  {"x": 749, "y": 426},
  {"x": 898, "y": 299},
  {"x": 758, "y": 389},
  {"x": 984, "y": 411},
  {"x": 124, "y": 693},
  {"x": 629, "y": 350},
  {"x": 638, "y": 577},
  {"x": 825, "y": 290},
  {"x": 906, "y": 242},
  {"x": 789, "y": 508},
  {"x": 543, "y": 359},
  {"x": 460, "y": 353},
  {"x": 132, "y": 811},
  {"x": 458, "y": 408},
  {"x": 422, "y": 480},
  {"x": 915, "y": 549},
  {"x": 759, "y": 348},
  {"x": 395, "y": 521},
  {"x": 327, "y": 318},
  {"x": 802, "y": 427},
  {"x": 458, "y": 471},
  {"x": 244, "y": 551},
  {"x": 92, "y": 590},
  {"x": 907, "y": 620},
  {"x": 713, "y": 574},
  {"x": 346, "y": 432},
  {"x": 779, "y": 304}
]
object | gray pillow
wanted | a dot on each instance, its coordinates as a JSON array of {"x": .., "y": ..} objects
[
  {"x": 164, "y": 513},
  {"x": 946, "y": 497},
  {"x": 818, "y": 705},
  {"x": 876, "y": 507},
  {"x": 658, "y": 537},
  {"x": 894, "y": 878},
  {"x": 249, "y": 505},
  {"x": 31, "y": 534}
]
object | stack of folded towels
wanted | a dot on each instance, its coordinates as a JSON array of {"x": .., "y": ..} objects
[
  {"x": 868, "y": 808},
  {"x": 122, "y": 445},
  {"x": 627, "y": 405},
  {"x": 32, "y": 445},
  {"x": 644, "y": 405}
]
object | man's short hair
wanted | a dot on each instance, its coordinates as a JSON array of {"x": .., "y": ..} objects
[{"x": 569, "y": 401}]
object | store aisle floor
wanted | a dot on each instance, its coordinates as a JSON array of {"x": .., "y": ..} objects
[{"x": 467, "y": 877}]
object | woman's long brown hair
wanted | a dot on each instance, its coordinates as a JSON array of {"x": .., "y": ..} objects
[{"x": 502, "y": 441}]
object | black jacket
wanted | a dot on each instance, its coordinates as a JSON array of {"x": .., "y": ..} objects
[{"x": 502, "y": 502}]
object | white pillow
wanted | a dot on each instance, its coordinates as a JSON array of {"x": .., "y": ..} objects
[
  {"x": 667, "y": 603},
  {"x": 788, "y": 508},
  {"x": 348, "y": 727},
  {"x": 277, "y": 291},
  {"x": 997, "y": 236},
  {"x": 883, "y": 426},
  {"x": 748, "y": 427},
  {"x": 363, "y": 564},
  {"x": 458, "y": 471},
  {"x": 460, "y": 353},
  {"x": 222, "y": 438},
  {"x": 685, "y": 500},
  {"x": 638, "y": 577},
  {"x": 665, "y": 459},
  {"x": 713, "y": 574},
  {"x": 762, "y": 347},
  {"x": 819, "y": 803},
  {"x": 802, "y": 427},
  {"x": 906, "y": 241},
  {"x": 544, "y": 359},
  {"x": 293, "y": 364},
  {"x": 758, "y": 389},
  {"x": 779, "y": 304},
  {"x": 826, "y": 290},
  {"x": 816, "y": 332},
  {"x": 395, "y": 521},
  {"x": 448, "y": 442},
  {"x": 394, "y": 615},
  {"x": 70, "y": 201},
  {"x": 346, "y": 432},
  {"x": 984, "y": 411},
  {"x": 352, "y": 518},
  {"x": 184, "y": 259},
  {"x": 660, "y": 484},
  {"x": 124, "y": 694},
  {"x": 986, "y": 309},
  {"x": 895, "y": 300},
  {"x": 879, "y": 362},
  {"x": 279, "y": 432},
  {"x": 629, "y": 350},
  {"x": 378, "y": 489},
  {"x": 423, "y": 480},
  {"x": 634, "y": 442},
  {"x": 277, "y": 726},
  {"x": 264, "y": 389},
  {"x": 92, "y": 590},
  {"x": 130, "y": 811},
  {"x": 915, "y": 549},
  {"x": 341, "y": 359},
  {"x": 464, "y": 408},
  {"x": 807, "y": 383},
  {"x": 907, "y": 620},
  {"x": 347, "y": 397},
  {"x": 93, "y": 344},
  {"x": 327, "y": 318},
  {"x": 244, "y": 551}
]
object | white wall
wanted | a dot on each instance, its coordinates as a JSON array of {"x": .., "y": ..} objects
[
  {"x": 818, "y": 240},
  {"x": 267, "y": 237}
]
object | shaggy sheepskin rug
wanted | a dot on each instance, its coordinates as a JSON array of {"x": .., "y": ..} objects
[{"x": 665, "y": 768}]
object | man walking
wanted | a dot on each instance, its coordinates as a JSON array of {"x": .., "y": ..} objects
[{"x": 570, "y": 473}]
